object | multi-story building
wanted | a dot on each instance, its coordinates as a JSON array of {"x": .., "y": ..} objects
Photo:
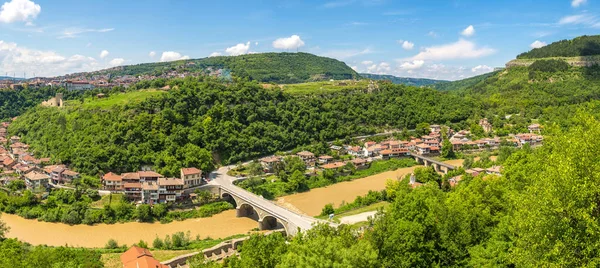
[
  {"x": 36, "y": 180},
  {"x": 191, "y": 177},
  {"x": 150, "y": 192},
  {"x": 170, "y": 189}
]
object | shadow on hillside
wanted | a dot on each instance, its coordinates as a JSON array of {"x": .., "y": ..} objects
[{"x": 592, "y": 72}]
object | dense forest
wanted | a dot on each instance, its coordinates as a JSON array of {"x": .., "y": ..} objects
[
  {"x": 204, "y": 119},
  {"x": 264, "y": 67},
  {"x": 543, "y": 212},
  {"x": 465, "y": 83},
  {"x": 580, "y": 46},
  {"x": 403, "y": 80}
]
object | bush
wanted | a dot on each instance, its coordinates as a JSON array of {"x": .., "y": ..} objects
[
  {"x": 327, "y": 210},
  {"x": 158, "y": 243},
  {"x": 111, "y": 244}
]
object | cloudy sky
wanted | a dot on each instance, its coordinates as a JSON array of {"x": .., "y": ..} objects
[{"x": 450, "y": 39}]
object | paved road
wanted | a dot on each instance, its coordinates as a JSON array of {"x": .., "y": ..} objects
[
  {"x": 358, "y": 217},
  {"x": 220, "y": 177}
]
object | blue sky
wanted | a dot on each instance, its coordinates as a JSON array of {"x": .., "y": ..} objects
[{"x": 432, "y": 39}]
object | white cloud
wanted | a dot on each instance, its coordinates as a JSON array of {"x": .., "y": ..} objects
[
  {"x": 538, "y": 44},
  {"x": 292, "y": 42},
  {"x": 239, "y": 49},
  {"x": 346, "y": 53},
  {"x": 75, "y": 32},
  {"x": 88, "y": 45},
  {"x": 367, "y": 62},
  {"x": 412, "y": 65},
  {"x": 172, "y": 56},
  {"x": 117, "y": 62},
  {"x": 255, "y": 43},
  {"x": 581, "y": 19},
  {"x": 19, "y": 10},
  {"x": 355, "y": 68},
  {"x": 432, "y": 34},
  {"x": 462, "y": 49},
  {"x": 215, "y": 54},
  {"x": 406, "y": 44},
  {"x": 482, "y": 69},
  {"x": 381, "y": 68},
  {"x": 577, "y": 3},
  {"x": 17, "y": 59},
  {"x": 104, "y": 54},
  {"x": 469, "y": 31},
  {"x": 152, "y": 54}
]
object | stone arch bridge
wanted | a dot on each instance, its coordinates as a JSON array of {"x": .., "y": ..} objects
[{"x": 437, "y": 165}]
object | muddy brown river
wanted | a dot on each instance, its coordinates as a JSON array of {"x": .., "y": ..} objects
[
  {"x": 219, "y": 226},
  {"x": 57, "y": 234},
  {"x": 311, "y": 203}
]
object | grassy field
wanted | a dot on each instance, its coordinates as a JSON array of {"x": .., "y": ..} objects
[
  {"x": 324, "y": 87},
  {"x": 116, "y": 99},
  {"x": 116, "y": 198}
]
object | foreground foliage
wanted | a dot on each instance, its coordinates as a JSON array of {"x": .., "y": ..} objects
[{"x": 542, "y": 212}]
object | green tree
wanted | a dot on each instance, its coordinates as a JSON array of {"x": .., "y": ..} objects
[
  {"x": 327, "y": 210},
  {"x": 447, "y": 150},
  {"x": 143, "y": 213},
  {"x": 262, "y": 251}
]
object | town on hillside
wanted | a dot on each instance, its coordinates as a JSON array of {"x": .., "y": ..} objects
[
  {"x": 362, "y": 155},
  {"x": 19, "y": 165}
]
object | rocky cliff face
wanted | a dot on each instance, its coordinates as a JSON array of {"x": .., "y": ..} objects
[{"x": 573, "y": 61}]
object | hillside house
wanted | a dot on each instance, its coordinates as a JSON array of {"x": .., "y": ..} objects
[
  {"x": 137, "y": 257},
  {"x": 359, "y": 163},
  {"x": 133, "y": 190},
  {"x": 306, "y": 156},
  {"x": 36, "y": 180},
  {"x": 150, "y": 192},
  {"x": 191, "y": 177},
  {"x": 534, "y": 128},
  {"x": 170, "y": 189},
  {"x": 324, "y": 159},
  {"x": 149, "y": 176},
  {"x": 112, "y": 182},
  {"x": 268, "y": 163},
  {"x": 422, "y": 149},
  {"x": 495, "y": 170}
]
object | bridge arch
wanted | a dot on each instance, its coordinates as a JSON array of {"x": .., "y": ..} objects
[
  {"x": 269, "y": 222},
  {"x": 247, "y": 210}
]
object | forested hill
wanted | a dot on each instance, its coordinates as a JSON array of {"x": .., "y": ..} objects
[
  {"x": 203, "y": 119},
  {"x": 460, "y": 84},
  {"x": 544, "y": 86},
  {"x": 403, "y": 80},
  {"x": 281, "y": 68},
  {"x": 578, "y": 47}
]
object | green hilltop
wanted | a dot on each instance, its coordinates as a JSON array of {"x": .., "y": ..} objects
[
  {"x": 578, "y": 47},
  {"x": 284, "y": 68}
]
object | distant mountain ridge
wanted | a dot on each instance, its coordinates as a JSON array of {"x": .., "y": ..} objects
[
  {"x": 10, "y": 78},
  {"x": 404, "y": 80},
  {"x": 283, "y": 68}
]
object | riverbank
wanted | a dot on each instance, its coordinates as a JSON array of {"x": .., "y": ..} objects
[
  {"x": 221, "y": 225},
  {"x": 312, "y": 202}
]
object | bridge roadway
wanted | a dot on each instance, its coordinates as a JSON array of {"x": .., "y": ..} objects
[
  {"x": 437, "y": 165},
  {"x": 292, "y": 221}
]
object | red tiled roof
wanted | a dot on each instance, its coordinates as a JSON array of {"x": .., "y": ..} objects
[
  {"x": 111, "y": 177},
  {"x": 190, "y": 171},
  {"x": 145, "y": 174}
]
